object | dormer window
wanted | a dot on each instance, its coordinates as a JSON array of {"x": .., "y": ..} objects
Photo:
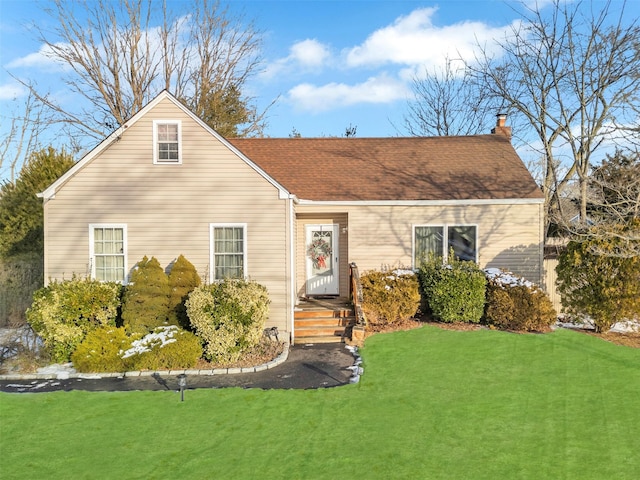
[{"x": 167, "y": 141}]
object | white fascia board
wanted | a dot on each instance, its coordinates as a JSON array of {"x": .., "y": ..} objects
[
  {"x": 424, "y": 203},
  {"x": 50, "y": 191},
  {"x": 283, "y": 192}
]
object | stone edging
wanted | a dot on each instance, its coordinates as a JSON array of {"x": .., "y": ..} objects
[{"x": 148, "y": 373}]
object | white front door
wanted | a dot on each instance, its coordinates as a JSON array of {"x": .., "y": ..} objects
[{"x": 321, "y": 252}]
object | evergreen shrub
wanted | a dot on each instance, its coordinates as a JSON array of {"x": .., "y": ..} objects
[
  {"x": 62, "y": 313},
  {"x": 229, "y": 317},
  {"x": 454, "y": 292},
  {"x": 145, "y": 304},
  {"x": 183, "y": 278},
  {"x": 101, "y": 351},
  {"x": 388, "y": 297},
  {"x": 514, "y": 303},
  {"x": 20, "y": 277},
  {"x": 166, "y": 348},
  {"x": 599, "y": 275}
]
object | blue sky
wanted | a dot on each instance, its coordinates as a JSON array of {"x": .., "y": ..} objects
[{"x": 330, "y": 63}]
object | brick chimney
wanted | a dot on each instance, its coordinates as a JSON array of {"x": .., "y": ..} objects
[{"x": 501, "y": 126}]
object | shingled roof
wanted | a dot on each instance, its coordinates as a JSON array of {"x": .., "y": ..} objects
[{"x": 395, "y": 168}]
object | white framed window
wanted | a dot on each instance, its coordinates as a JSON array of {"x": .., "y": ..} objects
[
  {"x": 108, "y": 252},
  {"x": 228, "y": 250},
  {"x": 439, "y": 239},
  {"x": 167, "y": 141}
]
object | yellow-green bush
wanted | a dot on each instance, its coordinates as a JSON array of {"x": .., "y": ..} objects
[
  {"x": 514, "y": 303},
  {"x": 166, "y": 348},
  {"x": 183, "y": 278},
  {"x": 64, "y": 312},
  {"x": 101, "y": 350},
  {"x": 145, "y": 303},
  {"x": 388, "y": 297},
  {"x": 228, "y": 316}
]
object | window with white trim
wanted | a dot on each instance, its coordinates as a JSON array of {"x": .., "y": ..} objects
[
  {"x": 108, "y": 252},
  {"x": 438, "y": 240},
  {"x": 228, "y": 251},
  {"x": 167, "y": 141}
]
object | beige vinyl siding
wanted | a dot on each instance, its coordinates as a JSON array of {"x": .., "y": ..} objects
[
  {"x": 509, "y": 236},
  {"x": 168, "y": 208}
]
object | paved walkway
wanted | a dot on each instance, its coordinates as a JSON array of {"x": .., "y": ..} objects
[{"x": 307, "y": 366}]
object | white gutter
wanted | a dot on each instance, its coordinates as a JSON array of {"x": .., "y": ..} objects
[{"x": 424, "y": 203}]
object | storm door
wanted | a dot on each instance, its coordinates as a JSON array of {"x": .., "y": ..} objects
[{"x": 321, "y": 253}]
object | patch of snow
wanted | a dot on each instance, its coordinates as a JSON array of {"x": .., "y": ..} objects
[
  {"x": 626, "y": 326},
  {"x": 401, "y": 271},
  {"x": 58, "y": 369},
  {"x": 162, "y": 335},
  {"x": 586, "y": 323},
  {"x": 507, "y": 279}
]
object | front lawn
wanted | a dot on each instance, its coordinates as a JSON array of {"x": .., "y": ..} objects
[{"x": 432, "y": 404}]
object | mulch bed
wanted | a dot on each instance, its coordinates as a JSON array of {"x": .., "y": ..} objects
[
  {"x": 264, "y": 352},
  {"x": 626, "y": 339}
]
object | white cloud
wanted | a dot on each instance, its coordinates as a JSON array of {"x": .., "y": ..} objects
[
  {"x": 382, "y": 89},
  {"x": 11, "y": 91},
  {"x": 309, "y": 53},
  {"x": 413, "y": 40},
  {"x": 306, "y": 55},
  {"x": 42, "y": 59}
]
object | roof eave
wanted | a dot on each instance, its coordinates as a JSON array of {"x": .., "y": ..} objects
[{"x": 425, "y": 203}]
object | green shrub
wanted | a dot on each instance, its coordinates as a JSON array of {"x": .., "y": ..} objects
[
  {"x": 145, "y": 304},
  {"x": 514, "y": 303},
  {"x": 64, "y": 312},
  {"x": 229, "y": 317},
  {"x": 388, "y": 297},
  {"x": 454, "y": 292},
  {"x": 183, "y": 278},
  {"x": 598, "y": 279},
  {"x": 101, "y": 351},
  {"x": 166, "y": 348},
  {"x": 20, "y": 277}
]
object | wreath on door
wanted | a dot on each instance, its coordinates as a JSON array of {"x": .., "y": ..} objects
[{"x": 318, "y": 251}]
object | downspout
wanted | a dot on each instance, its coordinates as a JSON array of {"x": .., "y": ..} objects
[{"x": 292, "y": 272}]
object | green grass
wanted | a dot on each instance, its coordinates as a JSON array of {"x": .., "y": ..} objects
[{"x": 432, "y": 404}]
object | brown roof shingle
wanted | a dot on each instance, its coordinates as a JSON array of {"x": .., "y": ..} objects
[{"x": 395, "y": 168}]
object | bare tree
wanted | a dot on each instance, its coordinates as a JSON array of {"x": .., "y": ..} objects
[
  {"x": 574, "y": 77},
  {"x": 614, "y": 188},
  {"x": 119, "y": 55},
  {"x": 448, "y": 102},
  {"x": 25, "y": 125}
]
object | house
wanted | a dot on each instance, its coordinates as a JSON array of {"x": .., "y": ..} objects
[{"x": 290, "y": 213}]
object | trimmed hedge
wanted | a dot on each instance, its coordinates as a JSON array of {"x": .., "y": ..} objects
[
  {"x": 388, "y": 297},
  {"x": 514, "y": 303},
  {"x": 454, "y": 292},
  {"x": 229, "y": 317},
  {"x": 64, "y": 312},
  {"x": 101, "y": 351},
  {"x": 166, "y": 348}
]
